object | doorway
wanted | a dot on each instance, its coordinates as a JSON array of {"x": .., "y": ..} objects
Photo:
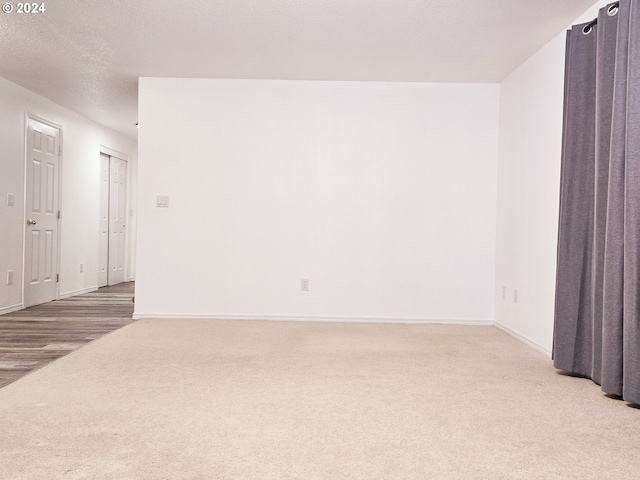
[
  {"x": 42, "y": 214},
  {"x": 113, "y": 208}
]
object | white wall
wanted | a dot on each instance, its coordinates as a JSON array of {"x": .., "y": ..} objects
[
  {"x": 80, "y": 189},
  {"x": 381, "y": 194},
  {"x": 531, "y": 107}
]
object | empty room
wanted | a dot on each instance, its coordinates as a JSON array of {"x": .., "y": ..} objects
[{"x": 319, "y": 239}]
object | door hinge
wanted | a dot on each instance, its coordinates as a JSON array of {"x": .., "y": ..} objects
[
  {"x": 58, "y": 214},
  {"x": 57, "y": 277},
  {"x": 59, "y": 150}
]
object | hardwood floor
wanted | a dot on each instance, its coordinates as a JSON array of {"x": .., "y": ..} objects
[{"x": 36, "y": 336}]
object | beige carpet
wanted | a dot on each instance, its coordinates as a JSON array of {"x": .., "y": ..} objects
[{"x": 191, "y": 399}]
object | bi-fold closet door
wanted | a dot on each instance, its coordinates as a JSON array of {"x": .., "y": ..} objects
[{"x": 113, "y": 208}]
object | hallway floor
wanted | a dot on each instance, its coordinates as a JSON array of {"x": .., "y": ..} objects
[{"x": 36, "y": 336}]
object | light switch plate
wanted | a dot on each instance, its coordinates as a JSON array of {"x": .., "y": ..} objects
[
  {"x": 162, "y": 201},
  {"x": 11, "y": 199}
]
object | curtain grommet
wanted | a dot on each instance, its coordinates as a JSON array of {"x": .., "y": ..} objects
[{"x": 613, "y": 9}]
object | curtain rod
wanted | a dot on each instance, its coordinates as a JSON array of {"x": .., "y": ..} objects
[{"x": 611, "y": 11}]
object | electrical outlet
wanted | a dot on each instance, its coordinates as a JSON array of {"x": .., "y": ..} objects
[
  {"x": 81, "y": 267},
  {"x": 9, "y": 277},
  {"x": 515, "y": 296},
  {"x": 304, "y": 285}
]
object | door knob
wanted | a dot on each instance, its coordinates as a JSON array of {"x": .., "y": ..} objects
[{"x": 31, "y": 222}]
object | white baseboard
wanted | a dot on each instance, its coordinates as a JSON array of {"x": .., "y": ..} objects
[
  {"x": 524, "y": 339},
  {"x": 303, "y": 318},
  {"x": 11, "y": 308},
  {"x": 307, "y": 318},
  {"x": 77, "y": 292}
]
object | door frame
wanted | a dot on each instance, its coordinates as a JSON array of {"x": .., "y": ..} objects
[
  {"x": 111, "y": 153},
  {"x": 32, "y": 116}
]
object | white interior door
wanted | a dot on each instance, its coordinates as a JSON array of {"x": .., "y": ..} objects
[
  {"x": 41, "y": 209},
  {"x": 117, "y": 219},
  {"x": 103, "y": 252}
]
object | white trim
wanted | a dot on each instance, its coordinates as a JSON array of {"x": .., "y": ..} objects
[
  {"x": 23, "y": 289},
  {"x": 40, "y": 119},
  {"x": 78, "y": 292},
  {"x": 12, "y": 308},
  {"x": 524, "y": 339},
  {"x": 114, "y": 153},
  {"x": 309, "y": 318}
]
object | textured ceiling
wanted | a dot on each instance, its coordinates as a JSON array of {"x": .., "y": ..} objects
[{"x": 88, "y": 54}]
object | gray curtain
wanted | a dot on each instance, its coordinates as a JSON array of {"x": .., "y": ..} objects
[{"x": 597, "y": 310}]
